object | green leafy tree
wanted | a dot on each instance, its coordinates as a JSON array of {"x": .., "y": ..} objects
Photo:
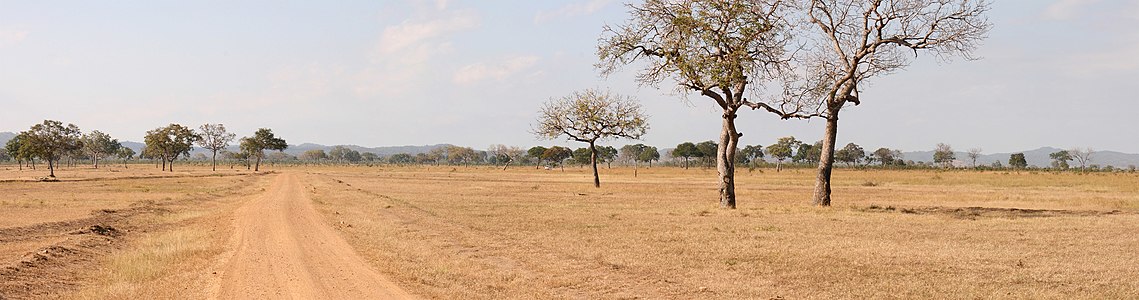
[
  {"x": 708, "y": 151},
  {"x": 711, "y": 48},
  {"x": 263, "y": 139},
  {"x": 401, "y": 159},
  {"x": 782, "y": 150},
  {"x": 686, "y": 150},
  {"x": 98, "y": 145},
  {"x": 50, "y": 141},
  {"x": 752, "y": 153},
  {"x": 648, "y": 155},
  {"x": 607, "y": 154},
  {"x": 535, "y": 153},
  {"x": 1060, "y": 159},
  {"x": 581, "y": 156},
  {"x": 15, "y": 148},
  {"x": 170, "y": 142},
  {"x": 557, "y": 155},
  {"x": 125, "y": 154},
  {"x": 313, "y": 155},
  {"x": 885, "y": 156},
  {"x": 852, "y": 154},
  {"x": 591, "y": 115},
  {"x": 1017, "y": 161},
  {"x": 943, "y": 155}
]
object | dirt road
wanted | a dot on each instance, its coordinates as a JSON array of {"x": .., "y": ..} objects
[{"x": 282, "y": 249}]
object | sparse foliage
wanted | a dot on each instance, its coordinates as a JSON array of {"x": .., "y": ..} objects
[
  {"x": 943, "y": 155},
  {"x": 214, "y": 138},
  {"x": 714, "y": 48},
  {"x": 591, "y": 115}
]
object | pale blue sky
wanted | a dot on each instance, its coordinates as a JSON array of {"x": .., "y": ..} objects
[{"x": 1054, "y": 73}]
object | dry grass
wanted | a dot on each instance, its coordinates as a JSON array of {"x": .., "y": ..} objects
[
  {"x": 172, "y": 228},
  {"x": 481, "y": 233}
]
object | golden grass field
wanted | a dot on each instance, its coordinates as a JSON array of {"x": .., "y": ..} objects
[{"x": 480, "y": 232}]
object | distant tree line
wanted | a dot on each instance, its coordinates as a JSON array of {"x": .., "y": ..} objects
[{"x": 51, "y": 142}]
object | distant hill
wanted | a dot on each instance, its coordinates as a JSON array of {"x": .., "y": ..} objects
[{"x": 5, "y": 137}]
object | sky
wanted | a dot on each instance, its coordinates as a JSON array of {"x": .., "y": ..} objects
[{"x": 474, "y": 73}]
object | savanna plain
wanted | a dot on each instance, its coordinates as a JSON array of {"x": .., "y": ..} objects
[{"x": 466, "y": 232}]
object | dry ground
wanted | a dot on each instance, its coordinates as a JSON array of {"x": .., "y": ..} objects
[
  {"x": 483, "y": 233},
  {"x": 461, "y": 233}
]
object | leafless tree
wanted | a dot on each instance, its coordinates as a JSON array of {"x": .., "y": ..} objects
[
  {"x": 591, "y": 115},
  {"x": 505, "y": 154},
  {"x": 848, "y": 42},
  {"x": 973, "y": 155},
  {"x": 713, "y": 48},
  {"x": 215, "y": 138},
  {"x": 1082, "y": 155}
]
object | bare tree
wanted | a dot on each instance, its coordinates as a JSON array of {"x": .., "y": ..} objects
[
  {"x": 714, "y": 48},
  {"x": 591, "y": 115},
  {"x": 973, "y": 155},
  {"x": 505, "y": 154},
  {"x": 215, "y": 138},
  {"x": 848, "y": 42},
  {"x": 1082, "y": 155}
]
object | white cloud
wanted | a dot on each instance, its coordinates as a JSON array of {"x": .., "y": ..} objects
[
  {"x": 411, "y": 34},
  {"x": 499, "y": 71},
  {"x": 571, "y": 10},
  {"x": 1066, "y": 9},
  {"x": 10, "y": 37}
]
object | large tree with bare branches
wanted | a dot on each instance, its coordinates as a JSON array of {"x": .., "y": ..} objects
[
  {"x": 591, "y": 115},
  {"x": 848, "y": 42},
  {"x": 714, "y": 48}
]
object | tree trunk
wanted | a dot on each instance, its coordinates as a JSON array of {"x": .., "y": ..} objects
[
  {"x": 593, "y": 161},
  {"x": 172, "y": 163},
  {"x": 214, "y": 161},
  {"x": 826, "y": 162},
  {"x": 51, "y": 168},
  {"x": 686, "y": 163},
  {"x": 257, "y": 167},
  {"x": 725, "y": 160},
  {"x": 163, "y": 163}
]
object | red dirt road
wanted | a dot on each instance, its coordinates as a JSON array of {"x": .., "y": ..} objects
[{"x": 282, "y": 249}]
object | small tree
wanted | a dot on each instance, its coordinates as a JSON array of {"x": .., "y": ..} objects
[
  {"x": 591, "y": 115},
  {"x": 313, "y": 155},
  {"x": 607, "y": 154},
  {"x": 214, "y": 138},
  {"x": 648, "y": 155},
  {"x": 686, "y": 150},
  {"x": 974, "y": 154},
  {"x": 170, "y": 142},
  {"x": 782, "y": 150},
  {"x": 14, "y": 148},
  {"x": 1060, "y": 159},
  {"x": 536, "y": 154},
  {"x": 49, "y": 141},
  {"x": 1017, "y": 161},
  {"x": 557, "y": 156},
  {"x": 943, "y": 155},
  {"x": 884, "y": 156},
  {"x": 752, "y": 153},
  {"x": 852, "y": 154},
  {"x": 263, "y": 139},
  {"x": 125, "y": 154},
  {"x": 98, "y": 145}
]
